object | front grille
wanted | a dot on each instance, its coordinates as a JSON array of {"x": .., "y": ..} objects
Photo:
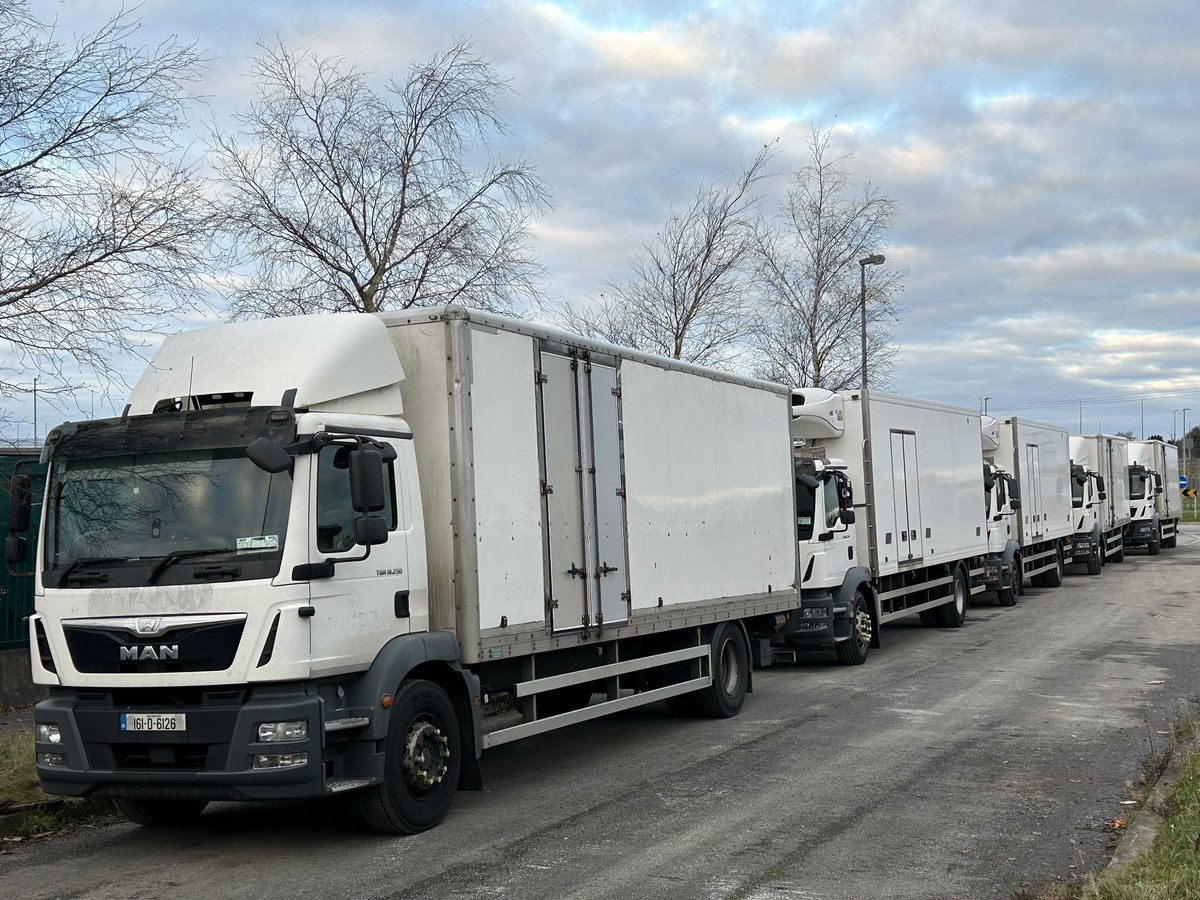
[{"x": 191, "y": 648}]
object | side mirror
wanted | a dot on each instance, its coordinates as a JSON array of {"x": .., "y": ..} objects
[
  {"x": 269, "y": 456},
  {"x": 1102, "y": 495},
  {"x": 1100, "y": 485},
  {"x": 1015, "y": 503},
  {"x": 1081, "y": 479},
  {"x": 20, "y": 498},
  {"x": 808, "y": 481},
  {"x": 847, "y": 516},
  {"x": 366, "y": 482},
  {"x": 15, "y": 550},
  {"x": 370, "y": 531},
  {"x": 989, "y": 482}
]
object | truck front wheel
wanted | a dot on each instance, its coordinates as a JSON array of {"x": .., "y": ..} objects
[
  {"x": 854, "y": 650},
  {"x": 1095, "y": 560},
  {"x": 421, "y": 764},
  {"x": 157, "y": 812}
]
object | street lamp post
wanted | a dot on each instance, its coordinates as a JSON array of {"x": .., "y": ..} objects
[{"x": 875, "y": 259}]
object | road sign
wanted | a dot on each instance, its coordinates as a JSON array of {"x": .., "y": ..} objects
[
  {"x": 1183, "y": 482},
  {"x": 1189, "y": 492}
]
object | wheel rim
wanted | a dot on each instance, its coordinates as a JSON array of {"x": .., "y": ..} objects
[
  {"x": 960, "y": 596},
  {"x": 862, "y": 624},
  {"x": 426, "y": 754},
  {"x": 730, "y": 677}
]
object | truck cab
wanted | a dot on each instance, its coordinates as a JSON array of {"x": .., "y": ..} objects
[{"x": 1002, "y": 503}]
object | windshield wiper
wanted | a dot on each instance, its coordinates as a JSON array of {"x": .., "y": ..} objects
[
  {"x": 176, "y": 555},
  {"x": 87, "y": 561}
]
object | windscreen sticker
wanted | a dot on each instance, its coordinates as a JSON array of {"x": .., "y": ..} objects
[{"x": 262, "y": 542}]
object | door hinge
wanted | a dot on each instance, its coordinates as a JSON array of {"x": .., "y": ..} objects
[
  {"x": 626, "y": 598},
  {"x": 547, "y": 489},
  {"x": 621, "y": 491},
  {"x": 616, "y": 392},
  {"x": 539, "y": 378},
  {"x": 551, "y": 603}
]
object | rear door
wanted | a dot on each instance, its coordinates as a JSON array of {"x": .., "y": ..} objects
[{"x": 1031, "y": 503}]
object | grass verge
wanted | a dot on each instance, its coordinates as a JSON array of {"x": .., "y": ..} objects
[
  {"x": 19, "y": 788},
  {"x": 1170, "y": 870}
]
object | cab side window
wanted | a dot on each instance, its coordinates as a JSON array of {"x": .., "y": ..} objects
[
  {"x": 833, "y": 505},
  {"x": 335, "y": 515}
]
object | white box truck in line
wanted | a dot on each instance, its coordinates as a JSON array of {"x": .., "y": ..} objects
[
  {"x": 916, "y": 542},
  {"x": 1027, "y": 471},
  {"x": 1099, "y": 498},
  {"x": 347, "y": 553},
  {"x": 1155, "y": 504}
]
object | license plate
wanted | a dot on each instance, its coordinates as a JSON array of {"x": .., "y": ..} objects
[{"x": 153, "y": 721}]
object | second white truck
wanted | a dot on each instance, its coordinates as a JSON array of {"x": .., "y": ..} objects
[
  {"x": 1027, "y": 469},
  {"x": 889, "y": 501},
  {"x": 1099, "y": 498}
]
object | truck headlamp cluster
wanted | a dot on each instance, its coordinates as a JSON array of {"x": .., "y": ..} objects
[
  {"x": 48, "y": 733},
  {"x": 52, "y": 759},
  {"x": 283, "y": 731},
  {"x": 280, "y": 760}
]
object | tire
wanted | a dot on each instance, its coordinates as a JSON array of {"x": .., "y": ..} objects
[
  {"x": 1019, "y": 574},
  {"x": 954, "y": 613},
  {"x": 1155, "y": 546},
  {"x": 158, "y": 813},
  {"x": 1119, "y": 556},
  {"x": 1095, "y": 561},
  {"x": 421, "y": 763},
  {"x": 1054, "y": 578},
  {"x": 930, "y": 619},
  {"x": 1007, "y": 596},
  {"x": 1169, "y": 543},
  {"x": 729, "y": 662},
  {"x": 853, "y": 652}
]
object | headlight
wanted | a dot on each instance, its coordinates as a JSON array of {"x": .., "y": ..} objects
[
  {"x": 283, "y": 731},
  {"x": 280, "y": 760},
  {"x": 48, "y": 733}
]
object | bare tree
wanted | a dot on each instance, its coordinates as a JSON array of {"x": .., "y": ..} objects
[
  {"x": 103, "y": 229},
  {"x": 690, "y": 297},
  {"x": 346, "y": 199},
  {"x": 810, "y": 330}
]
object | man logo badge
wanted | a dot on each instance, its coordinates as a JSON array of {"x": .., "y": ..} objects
[
  {"x": 141, "y": 653},
  {"x": 148, "y": 626}
]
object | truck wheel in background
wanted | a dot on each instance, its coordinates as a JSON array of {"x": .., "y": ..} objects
[
  {"x": 853, "y": 652},
  {"x": 1119, "y": 556},
  {"x": 1154, "y": 547},
  {"x": 1019, "y": 574},
  {"x": 954, "y": 613},
  {"x": 1169, "y": 543},
  {"x": 729, "y": 663},
  {"x": 1095, "y": 560},
  {"x": 1054, "y": 577},
  {"x": 421, "y": 765},
  {"x": 1008, "y": 596},
  {"x": 157, "y": 812}
]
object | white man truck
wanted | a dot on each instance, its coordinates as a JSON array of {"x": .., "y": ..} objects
[
  {"x": 1099, "y": 498},
  {"x": 1027, "y": 470},
  {"x": 909, "y": 472},
  {"x": 1155, "y": 504},
  {"x": 348, "y": 553}
]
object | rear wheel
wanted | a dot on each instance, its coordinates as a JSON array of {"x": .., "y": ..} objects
[
  {"x": 1119, "y": 556},
  {"x": 729, "y": 662},
  {"x": 159, "y": 813},
  {"x": 1169, "y": 543},
  {"x": 954, "y": 613},
  {"x": 853, "y": 652},
  {"x": 1054, "y": 577},
  {"x": 421, "y": 764}
]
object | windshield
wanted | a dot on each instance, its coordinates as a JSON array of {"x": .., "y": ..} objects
[
  {"x": 1076, "y": 487},
  {"x": 161, "y": 517},
  {"x": 1137, "y": 483},
  {"x": 806, "y": 502}
]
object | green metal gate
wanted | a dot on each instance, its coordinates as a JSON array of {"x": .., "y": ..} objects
[{"x": 16, "y": 594}]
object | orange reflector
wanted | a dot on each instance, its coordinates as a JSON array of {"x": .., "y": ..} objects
[{"x": 386, "y": 701}]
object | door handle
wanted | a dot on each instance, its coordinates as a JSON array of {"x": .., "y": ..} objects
[{"x": 402, "y": 605}]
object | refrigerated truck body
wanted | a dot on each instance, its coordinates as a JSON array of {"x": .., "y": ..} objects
[
  {"x": 1155, "y": 504},
  {"x": 1099, "y": 497}
]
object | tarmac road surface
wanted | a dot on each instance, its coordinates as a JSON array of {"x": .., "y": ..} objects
[{"x": 955, "y": 763}]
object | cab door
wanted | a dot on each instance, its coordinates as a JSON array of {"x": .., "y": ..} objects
[{"x": 366, "y": 602}]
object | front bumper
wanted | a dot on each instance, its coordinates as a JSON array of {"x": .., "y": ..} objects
[
  {"x": 212, "y": 760},
  {"x": 1140, "y": 532}
]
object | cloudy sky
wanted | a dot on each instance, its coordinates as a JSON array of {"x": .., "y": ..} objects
[{"x": 1044, "y": 155}]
